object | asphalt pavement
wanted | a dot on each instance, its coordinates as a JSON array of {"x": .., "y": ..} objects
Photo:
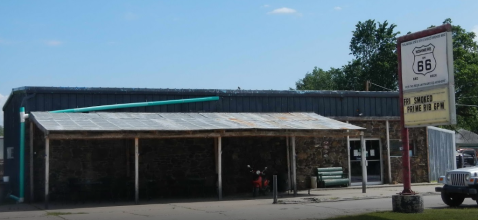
[{"x": 313, "y": 204}]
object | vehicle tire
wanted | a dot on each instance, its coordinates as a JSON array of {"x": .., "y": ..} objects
[
  {"x": 255, "y": 191},
  {"x": 452, "y": 200}
]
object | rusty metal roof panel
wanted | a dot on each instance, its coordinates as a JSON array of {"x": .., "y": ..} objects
[{"x": 106, "y": 121}]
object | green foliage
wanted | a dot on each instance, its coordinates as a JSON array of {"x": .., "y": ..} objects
[
  {"x": 428, "y": 214},
  {"x": 1, "y": 131},
  {"x": 317, "y": 80},
  {"x": 373, "y": 46},
  {"x": 465, "y": 57}
]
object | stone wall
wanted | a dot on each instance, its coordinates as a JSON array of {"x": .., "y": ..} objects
[
  {"x": 319, "y": 152},
  {"x": 172, "y": 166},
  {"x": 418, "y": 162}
]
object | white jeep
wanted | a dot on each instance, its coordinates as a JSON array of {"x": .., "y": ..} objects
[{"x": 459, "y": 184}]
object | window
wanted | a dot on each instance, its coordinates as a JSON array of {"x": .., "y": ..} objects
[{"x": 396, "y": 148}]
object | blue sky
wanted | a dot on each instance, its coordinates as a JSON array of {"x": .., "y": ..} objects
[{"x": 193, "y": 44}]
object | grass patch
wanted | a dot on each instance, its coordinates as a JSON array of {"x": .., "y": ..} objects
[
  {"x": 334, "y": 198},
  {"x": 64, "y": 213},
  {"x": 428, "y": 214}
]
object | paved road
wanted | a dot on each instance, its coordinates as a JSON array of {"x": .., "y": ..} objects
[{"x": 319, "y": 205}]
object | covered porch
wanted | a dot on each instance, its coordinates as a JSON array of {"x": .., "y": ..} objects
[{"x": 149, "y": 142}]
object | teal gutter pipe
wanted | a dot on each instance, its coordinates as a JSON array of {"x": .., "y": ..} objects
[
  {"x": 137, "y": 104},
  {"x": 14, "y": 197},
  {"x": 22, "y": 153},
  {"x": 23, "y": 116}
]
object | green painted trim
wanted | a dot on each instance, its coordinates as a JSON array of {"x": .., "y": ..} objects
[
  {"x": 22, "y": 154},
  {"x": 137, "y": 104}
]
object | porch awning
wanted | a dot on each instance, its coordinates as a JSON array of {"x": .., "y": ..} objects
[{"x": 184, "y": 122}]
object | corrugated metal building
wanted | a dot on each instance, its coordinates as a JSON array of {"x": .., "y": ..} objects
[
  {"x": 342, "y": 105},
  {"x": 325, "y": 103}
]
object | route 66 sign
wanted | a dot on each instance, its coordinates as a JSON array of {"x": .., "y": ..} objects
[
  {"x": 426, "y": 75},
  {"x": 424, "y": 60}
]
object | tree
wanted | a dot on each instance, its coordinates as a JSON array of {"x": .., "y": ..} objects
[
  {"x": 350, "y": 77},
  {"x": 317, "y": 80},
  {"x": 465, "y": 59},
  {"x": 1, "y": 130},
  {"x": 374, "y": 47}
]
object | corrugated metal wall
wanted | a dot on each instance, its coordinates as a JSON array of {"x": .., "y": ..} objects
[
  {"x": 441, "y": 148},
  {"x": 326, "y": 103}
]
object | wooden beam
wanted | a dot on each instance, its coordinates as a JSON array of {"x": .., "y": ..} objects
[
  {"x": 348, "y": 161},
  {"x": 387, "y": 125},
  {"x": 371, "y": 118},
  {"x": 215, "y": 154},
  {"x": 364, "y": 163},
  {"x": 294, "y": 166},
  {"x": 136, "y": 170},
  {"x": 47, "y": 170},
  {"x": 219, "y": 168},
  {"x": 279, "y": 133},
  {"x": 31, "y": 162},
  {"x": 288, "y": 164}
]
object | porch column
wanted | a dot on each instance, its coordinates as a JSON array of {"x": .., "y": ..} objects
[
  {"x": 364, "y": 163},
  {"x": 348, "y": 157},
  {"x": 294, "y": 166},
  {"x": 136, "y": 170},
  {"x": 289, "y": 188},
  {"x": 31, "y": 162},
  {"x": 219, "y": 168},
  {"x": 47, "y": 169},
  {"x": 387, "y": 125}
]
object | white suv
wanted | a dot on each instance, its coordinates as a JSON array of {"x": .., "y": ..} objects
[{"x": 459, "y": 184}]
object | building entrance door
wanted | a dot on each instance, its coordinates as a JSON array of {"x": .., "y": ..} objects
[{"x": 373, "y": 160}]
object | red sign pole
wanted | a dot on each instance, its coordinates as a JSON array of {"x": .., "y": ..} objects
[
  {"x": 407, "y": 189},
  {"x": 407, "y": 183}
]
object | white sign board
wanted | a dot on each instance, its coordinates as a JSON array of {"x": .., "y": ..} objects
[
  {"x": 426, "y": 71},
  {"x": 424, "y": 62}
]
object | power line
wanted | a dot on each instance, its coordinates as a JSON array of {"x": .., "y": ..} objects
[
  {"x": 469, "y": 97},
  {"x": 467, "y": 105},
  {"x": 380, "y": 86}
]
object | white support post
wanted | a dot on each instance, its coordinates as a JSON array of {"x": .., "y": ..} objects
[
  {"x": 289, "y": 188},
  {"x": 31, "y": 162},
  {"x": 136, "y": 170},
  {"x": 387, "y": 124},
  {"x": 215, "y": 154},
  {"x": 219, "y": 168},
  {"x": 294, "y": 166},
  {"x": 47, "y": 169},
  {"x": 348, "y": 157},
  {"x": 364, "y": 163}
]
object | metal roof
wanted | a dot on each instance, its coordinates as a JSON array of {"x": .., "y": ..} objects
[
  {"x": 222, "y": 92},
  {"x": 202, "y": 92},
  {"x": 466, "y": 137},
  {"x": 105, "y": 121}
]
